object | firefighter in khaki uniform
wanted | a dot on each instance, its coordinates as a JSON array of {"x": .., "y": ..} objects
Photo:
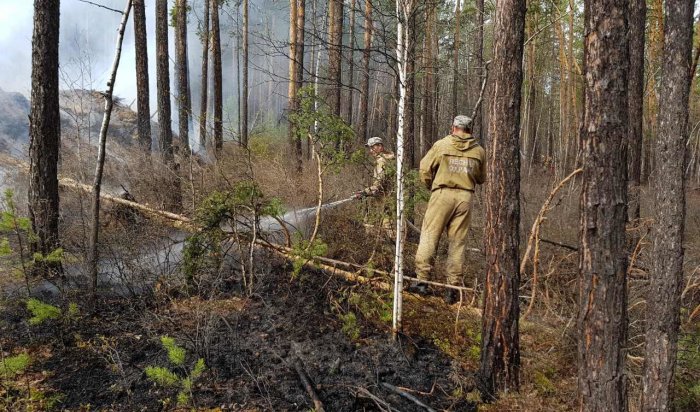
[
  {"x": 450, "y": 170},
  {"x": 381, "y": 184}
]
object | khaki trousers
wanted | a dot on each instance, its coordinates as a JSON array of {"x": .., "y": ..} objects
[{"x": 447, "y": 209}]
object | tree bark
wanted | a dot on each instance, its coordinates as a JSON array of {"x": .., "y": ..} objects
[
  {"x": 602, "y": 319},
  {"x": 500, "y": 348},
  {"x": 244, "y": 102},
  {"x": 637, "y": 25},
  {"x": 429, "y": 134},
  {"x": 204, "y": 98},
  {"x": 666, "y": 276},
  {"x": 479, "y": 71},
  {"x": 364, "y": 92},
  {"x": 301, "y": 19},
  {"x": 218, "y": 82},
  {"x": 44, "y": 132},
  {"x": 403, "y": 10},
  {"x": 165, "y": 134},
  {"x": 351, "y": 63},
  {"x": 296, "y": 72},
  {"x": 99, "y": 168},
  {"x": 335, "y": 46},
  {"x": 292, "y": 85},
  {"x": 409, "y": 118},
  {"x": 455, "y": 60},
  {"x": 143, "y": 105},
  {"x": 183, "y": 77}
]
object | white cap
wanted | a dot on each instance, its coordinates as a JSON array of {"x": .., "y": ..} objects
[{"x": 374, "y": 140}]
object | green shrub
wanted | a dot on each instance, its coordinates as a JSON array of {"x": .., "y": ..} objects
[
  {"x": 168, "y": 379},
  {"x": 14, "y": 365},
  {"x": 162, "y": 376},
  {"x": 41, "y": 311},
  {"x": 350, "y": 327},
  {"x": 303, "y": 252},
  {"x": 176, "y": 354}
]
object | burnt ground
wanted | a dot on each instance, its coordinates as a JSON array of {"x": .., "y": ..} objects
[{"x": 96, "y": 360}]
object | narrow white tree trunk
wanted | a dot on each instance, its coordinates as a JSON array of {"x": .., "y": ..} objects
[
  {"x": 97, "y": 185},
  {"x": 402, "y": 17}
]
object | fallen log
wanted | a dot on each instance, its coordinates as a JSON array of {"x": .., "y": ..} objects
[{"x": 331, "y": 264}]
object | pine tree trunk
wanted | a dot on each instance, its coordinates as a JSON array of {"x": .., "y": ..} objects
[
  {"x": 218, "y": 83},
  {"x": 204, "y": 98},
  {"x": 351, "y": 64},
  {"x": 364, "y": 92},
  {"x": 500, "y": 348},
  {"x": 455, "y": 60},
  {"x": 478, "y": 130},
  {"x": 301, "y": 19},
  {"x": 668, "y": 185},
  {"x": 637, "y": 24},
  {"x": 183, "y": 77},
  {"x": 44, "y": 132},
  {"x": 165, "y": 134},
  {"x": 335, "y": 47},
  {"x": 409, "y": 117},
  {"x": 429, "y": 81},
  {"x": 237, "y": 65},
  {"x": 244, "y": 102},
  {"x": 292, "y": 85},
  {"x": 143, "y": 105},
  {"x": 602, "y": 320}
]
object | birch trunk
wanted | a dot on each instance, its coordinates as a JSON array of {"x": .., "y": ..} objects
[
  {"x": 403, "y": 8},
  {"x": 99, "y": 169}
]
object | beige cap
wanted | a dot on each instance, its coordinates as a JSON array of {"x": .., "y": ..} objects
[{"x": 374, "y": 140}]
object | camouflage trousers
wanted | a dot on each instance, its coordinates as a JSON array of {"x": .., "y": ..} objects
[
  {"x": 448, "y": 209},
  {"x": 380, "y": 214}
]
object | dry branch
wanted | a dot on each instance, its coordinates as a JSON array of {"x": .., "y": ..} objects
[
  {"x": 408, "y": 396},
  {"x": 318, "y": 405},
  {"x": 534, "y": 239}
]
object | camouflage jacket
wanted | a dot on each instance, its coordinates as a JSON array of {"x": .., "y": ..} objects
[
  {"x": 455, "y": 161},
  {"x": 384, "y": 162}
]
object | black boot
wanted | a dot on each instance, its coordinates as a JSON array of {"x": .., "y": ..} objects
[
  {"x": 418, "y": 288},
  {"x": 451, "y": 296}
]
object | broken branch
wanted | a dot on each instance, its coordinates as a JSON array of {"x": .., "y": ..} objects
[
  {"x": 408, "y": 396},
  {"x": 318, "y": 405}
]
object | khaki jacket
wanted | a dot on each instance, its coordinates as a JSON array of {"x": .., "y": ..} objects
[
  {"x": 380, "y": 179},
  {"x": 455, "y": 161}
]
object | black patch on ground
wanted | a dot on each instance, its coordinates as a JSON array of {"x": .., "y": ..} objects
[{"x": 249, "y": 355}]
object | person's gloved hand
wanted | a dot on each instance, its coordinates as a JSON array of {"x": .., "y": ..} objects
[{"x": 358, "y": 195}]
